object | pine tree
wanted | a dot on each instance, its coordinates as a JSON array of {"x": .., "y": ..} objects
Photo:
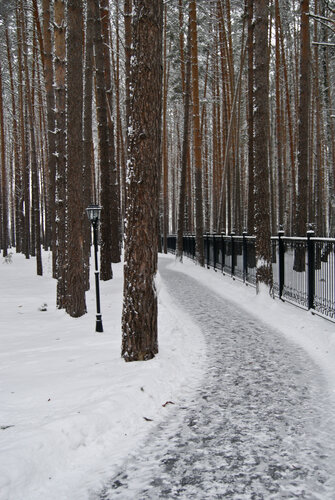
[{"x": 139, "y": 314}]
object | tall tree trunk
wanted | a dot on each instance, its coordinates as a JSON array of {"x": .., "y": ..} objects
[
  {"x": 4, "y": 180},
  {"x": 36, "y": 229},
  {"x": 251, "y": 187},
  {"x": 196, "y": 136},
  {"x": 139, "y": 315},
  {"x": 185, "y": 149},
  {"x": 75, "y": 286},
  {"x": 165, "y": 163},
  {"x": 60, "y": 144},
  {"x": 88, "y": 137},
  {"x": 114, "y": 240},
  {"x": 261, "y": 143},
  {"x": 103, "y": 137},
  {"x": 23, "y": 138},
  {"x": 18, "y": 208},
  {"x": 303, "y": 123},
  {"x": 50, "y": 100}
]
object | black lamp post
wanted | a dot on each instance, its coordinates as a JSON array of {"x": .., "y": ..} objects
[{"x": 93, "y": 214}]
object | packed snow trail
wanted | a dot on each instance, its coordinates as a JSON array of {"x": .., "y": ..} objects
[{"x": 259, "y": 427}]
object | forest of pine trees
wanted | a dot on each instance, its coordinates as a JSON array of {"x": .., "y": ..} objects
[{"x": 231, "y": 129}]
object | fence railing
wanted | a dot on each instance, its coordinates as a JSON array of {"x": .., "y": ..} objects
[{"x": 303, "y": 268}]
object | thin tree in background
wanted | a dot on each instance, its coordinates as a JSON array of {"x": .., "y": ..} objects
[
  {"x": 48, "y": 69},
  {"x": 303, "y": 122},
  {"x": 36, "y": 230},
  {"x": 185, "y": 150},
  {"x": 23, "y": 135},
  {"x": 4, "y": 183},
  {"x": 75, "y": 286},
  {"x": 114, "y": 241},
  {"x": 103, "y": 139},
  {"x": 139, "y": 314},
  {"x": 251, "y": 205},
  {"x": 199, "y": 229},
  {"x": 88, "y": 135},
  {"x": 261, "y": 144}
]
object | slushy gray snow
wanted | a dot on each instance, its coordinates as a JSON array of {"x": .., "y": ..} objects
[{"x": 260, "y": 426}]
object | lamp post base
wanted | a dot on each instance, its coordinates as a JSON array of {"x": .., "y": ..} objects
[{"x": 98, "y": 324}]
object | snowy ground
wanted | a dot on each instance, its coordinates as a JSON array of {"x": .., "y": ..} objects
[{"x": 76, "y": 420}]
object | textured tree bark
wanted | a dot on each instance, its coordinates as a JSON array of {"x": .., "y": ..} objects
[
  {"x": 139, "y": 315},
  {"x": 261, "y": 144},
  {"x": 60, "y": 100},
  {"x": 75, "y": 298}
]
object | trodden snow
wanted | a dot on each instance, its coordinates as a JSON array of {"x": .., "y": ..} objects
[{"x": 238, "y": 404}]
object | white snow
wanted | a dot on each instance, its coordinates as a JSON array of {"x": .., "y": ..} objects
[{"x": 71, "y": 410}]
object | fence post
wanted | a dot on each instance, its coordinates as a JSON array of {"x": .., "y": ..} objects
[
  {"x": 232, "y": 234},
  {"x": 214, "y": 250},
  {"x": 207, "y": 247},
  {"x": 311, "y": 268},
  {"x": 222, "y": 250},
  {"x": 281, "y": 262},
  {"x": 245, "y": 255}
]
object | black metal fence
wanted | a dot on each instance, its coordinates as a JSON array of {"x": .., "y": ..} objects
[{"x": 303, "y": 268}]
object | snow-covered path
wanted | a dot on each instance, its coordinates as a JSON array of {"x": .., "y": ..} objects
[{"x": 261, "y": 425}]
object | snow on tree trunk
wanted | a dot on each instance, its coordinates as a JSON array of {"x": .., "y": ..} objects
[{"x": 139, "y": 315}]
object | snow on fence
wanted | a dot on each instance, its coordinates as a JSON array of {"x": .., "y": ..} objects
[{"x": 303, "y": 268}]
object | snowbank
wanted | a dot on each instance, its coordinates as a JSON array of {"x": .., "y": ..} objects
[{"x": 71, "y": 409}]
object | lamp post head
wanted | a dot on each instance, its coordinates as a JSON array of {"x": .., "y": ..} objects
[{"x": 93, "y": 213}]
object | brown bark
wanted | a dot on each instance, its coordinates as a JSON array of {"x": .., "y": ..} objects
[
  {"x": 75, "y": 288},
  {"x": 196, "y": 136},
  {"x": 4, "y": 181},
  {"x": 50, "y": 100},
  {"x": 23, "y": 138},
  {"x": 165, "y": 165},
  {"x": 185, "y": 149},
  {"x": 60, "y": 144},
  {"x": 139, "y": 315},
  {"x": 103, "y": 139},
  {"x": 18, "y": 205},
  {"x": 114, "y": 224},
  {"x": 303, "y": 122},
  {"x": 261, "y": 143},
  {"x": 88, "y": 137},
  {"x": 36, "y": 229}
]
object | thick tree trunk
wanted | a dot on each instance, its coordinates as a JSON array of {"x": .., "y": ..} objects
[
  {"x": 75, "y": 287},
  {"x": 139, "y": 315},
  {"x": 60, "y": 199}
]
